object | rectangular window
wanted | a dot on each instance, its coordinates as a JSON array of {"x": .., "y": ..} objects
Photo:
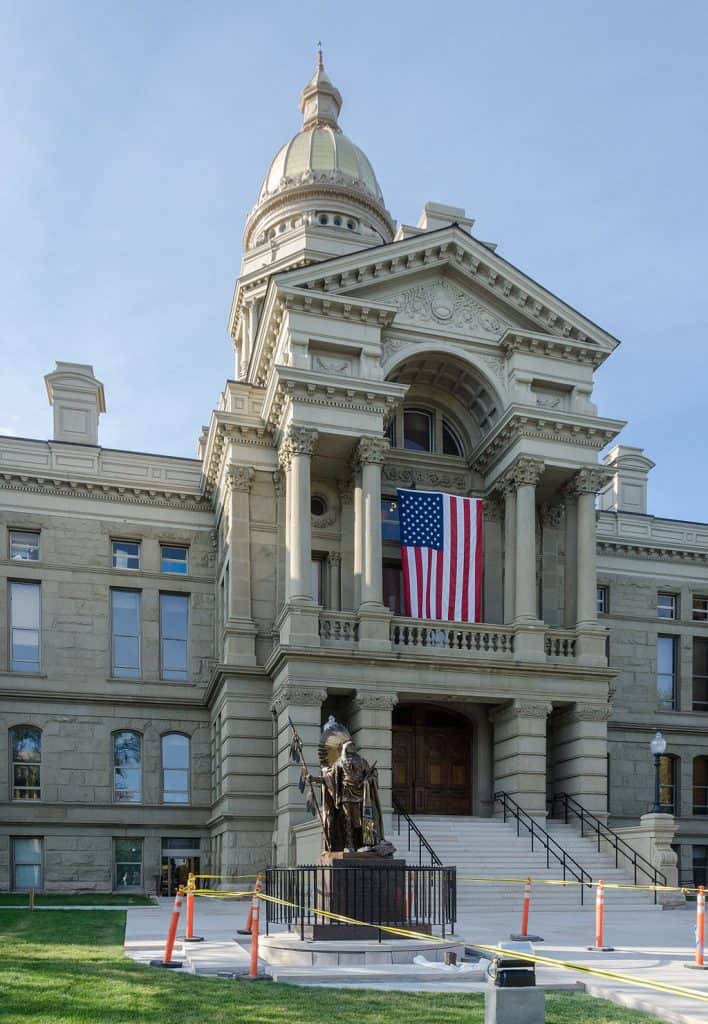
[
  {"x": 603, "y": 600},
  {"x": 128, "y": 861},
  {"x": 174, "y": 634},
  {"x": 174, "y": 559},
  {"x": 700, "y": 674},
  {"x": 125, "y": 634},
  {"x": 392, "y": 576},
  {"x": 667, "y": 672},
  {"x": 668, "y": 783},
  {"x": 667, "y": 606},
  {"x": 25, "y": 607},
  {"x": 27, "y": 863},
  {"x": 24, "y": 546},
  {"x": 700, "y": 608},
  {"x": 126, "y": 554},
  {"x": 317, "y": 580},
  {"x": 390, "y": 526}
]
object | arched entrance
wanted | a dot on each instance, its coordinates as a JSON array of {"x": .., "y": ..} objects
[{"x": 432, "y": 771}]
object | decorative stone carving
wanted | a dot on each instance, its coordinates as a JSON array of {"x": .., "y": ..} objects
[
  {"x": 493, "y": 510},
  {"x": 334, "y": 558},
  {"x": 372, "y": 450},
  {"x": 344, "y": 488},
  {"x": 551, "y": 516},
  {"x": 520, "y": 709},
  {"x": 240, "y": 478},
  {"x": 431, "y": 479},
  {"x": 374, "y": 701},
  {"x": 303, "y": 696},
  {"x": 297, "y": 441},
  {"x": 389, "y": 348},
  {"x": 278, "y": 483},
  {"x": 589, "y": 481},
  {"x": 342, "y": 367},
  {"x": 589, "y": 712},
  {"x": 444, "y": 303},
  {"x": 495, "y": 364},
  {"x": 524, "y": 470}
]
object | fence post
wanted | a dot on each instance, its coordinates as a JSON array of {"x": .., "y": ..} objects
[
  {"x": 248, "y": 930},
  {"x": 600, "y": 920},
  {"x": 167, "y": 960},
  {"x": 189, "y": 935},
  {"x": 526, "y": 907},
  {"x": 253, "y": 974},
  {"x": 699, "y": 964}
]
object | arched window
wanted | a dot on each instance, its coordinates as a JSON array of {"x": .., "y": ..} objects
[
  {"x": 26, "y": 757},
  {"x": 700, "y": 785},
  {"x": 418, "y": 430},
  {"x": 424, "y": 430},
  {"x": 668, "y": 783},
  {"x": 175, "y": 768},
  {"x": 450, "y": 441},
  {"x": 127, "y": 767}
]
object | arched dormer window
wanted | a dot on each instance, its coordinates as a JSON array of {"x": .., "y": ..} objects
[
  {"x": 424, "y": 430},
  {"x": 26, "y": 762}
]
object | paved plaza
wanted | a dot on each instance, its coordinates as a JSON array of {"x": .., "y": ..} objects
[{"x": 649, "y": 944}]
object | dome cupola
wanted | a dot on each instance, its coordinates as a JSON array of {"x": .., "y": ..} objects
[{"x": 320, "y": 183}]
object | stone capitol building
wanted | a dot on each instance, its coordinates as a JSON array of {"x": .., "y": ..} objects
[{"x": 162, "y": 618}]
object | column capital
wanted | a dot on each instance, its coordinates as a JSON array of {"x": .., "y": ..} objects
[
  {"x": 334, "y": 558},
  {"x": 371, "y": 451},
  {"x": 586, "y": 713},
  {"x": 493, "y": 510},
  {"x": 240, "y": 478},
  {"x": 296, "y": 441},
  {"x": 345, "y": 489},
  {"x": 551, "y": 515},
  {"x": 520, "y": 709},
  {"x": 303, "y": 696},
  {"x": 589, "y": 480},
  {"x": 363, "y": 701},
  {"x": 524, "y": 470}
]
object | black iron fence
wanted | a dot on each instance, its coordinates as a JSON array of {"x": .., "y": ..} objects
[{"x": 422, "y": 899}]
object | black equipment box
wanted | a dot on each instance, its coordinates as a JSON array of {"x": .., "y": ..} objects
[{"x": 506, "y": 972}]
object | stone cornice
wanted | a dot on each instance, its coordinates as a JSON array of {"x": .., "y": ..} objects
[
  {"x": 565, "y": 348},
  {"x": 226, "y": 427},
  {"x": 471, "y": 258},
  {"x": 663, "y": 552},
  {"x": 520, "y": 421},
  {"x": 316, "y": 387},
  {"x": 99, "y": 491}
]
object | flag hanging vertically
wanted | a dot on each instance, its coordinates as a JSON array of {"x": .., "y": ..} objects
[{"x": 441, "y": 546}]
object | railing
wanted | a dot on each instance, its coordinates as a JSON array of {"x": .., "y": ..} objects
[
  {"x": 414, "y": 835},
  {"x": 559, "y": 643},
  {"x": 591, "y": 824},
  {"x": 395, "y": 895},
  {"x": 539, "y": 835},
  {"x": 338, "y": 627},
  {"x": 451, "y": 636}
]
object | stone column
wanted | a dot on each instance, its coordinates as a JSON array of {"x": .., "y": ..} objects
[
  {"x": 551, "y": 604},
  {"x": 298, "y": 622},
  {"x": 526, "y": 473},
  {"x": 346, "y": 504},
  {"x": 493, "y": 562},
  {"x": 520, "y": 753},
  {"x": 358, "y": 529},
  {"x": 240, "y": 631},
  {"x": 509, "y": 549},
  {"x": 580, "y": 755},
  {"x": 370, "y": 454},
  {"x": 370, "y": 723},
  {"x": 334, "y": 564},
  {"x": 590, "y": 646},
  {"x": 304, "y": 706}
]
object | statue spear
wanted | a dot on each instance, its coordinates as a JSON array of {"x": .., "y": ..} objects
[{"x": 297, "y": 754}]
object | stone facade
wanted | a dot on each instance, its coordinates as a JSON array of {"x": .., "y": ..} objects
[{"x": 367, "y": 358}]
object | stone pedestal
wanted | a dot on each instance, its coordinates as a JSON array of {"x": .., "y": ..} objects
[
  {"x": 375, "y": 891},
  {"x": 652, "y": 838}
]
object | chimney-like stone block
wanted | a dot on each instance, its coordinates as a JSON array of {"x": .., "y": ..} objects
[
  {"x": 627, "y": 491},
  {"x": 437, "y": 215},
  {"x": 78, "y": 400}
]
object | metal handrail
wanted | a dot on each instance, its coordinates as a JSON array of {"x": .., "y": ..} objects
[
  {"x": 549, "y": 844},
  {"x": 615, "y": 841},
  {"x": 413, "y": 829}
]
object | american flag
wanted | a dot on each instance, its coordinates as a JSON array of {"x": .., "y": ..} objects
[{"x": 441, "y": 544}]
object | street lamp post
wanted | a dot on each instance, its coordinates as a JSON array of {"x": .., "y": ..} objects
[{"x": 657, "y": 747}]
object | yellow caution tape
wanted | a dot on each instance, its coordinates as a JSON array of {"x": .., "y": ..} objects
[
  {"x": 221, "y": 894},
  {"x": 260, "y": 873},
  {"x": 574, "y": 881}
]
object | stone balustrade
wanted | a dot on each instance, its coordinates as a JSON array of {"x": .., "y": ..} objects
[
  {"x": 338, "y": 629},
  {"x": 559, "y": 643}
]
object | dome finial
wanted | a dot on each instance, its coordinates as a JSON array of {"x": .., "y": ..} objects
[{"x": 320, "y": 101}]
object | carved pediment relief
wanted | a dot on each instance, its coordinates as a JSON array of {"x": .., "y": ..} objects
[{"x": 443, "y": 304}]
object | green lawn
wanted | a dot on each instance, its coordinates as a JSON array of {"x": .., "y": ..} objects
[
  {"x": 101, "y": 899},
  {"x": 67, "y": 968}
]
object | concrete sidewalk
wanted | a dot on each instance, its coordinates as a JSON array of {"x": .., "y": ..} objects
[{"x": 648, "y": 945}]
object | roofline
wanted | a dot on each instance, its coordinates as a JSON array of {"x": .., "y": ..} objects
[{"x": 79, "y": 444}]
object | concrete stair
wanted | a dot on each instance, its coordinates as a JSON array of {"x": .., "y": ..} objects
[{"x": 489, "y": 847}]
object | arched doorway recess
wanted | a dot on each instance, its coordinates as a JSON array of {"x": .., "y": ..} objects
[{"x": 432, "y": 765}]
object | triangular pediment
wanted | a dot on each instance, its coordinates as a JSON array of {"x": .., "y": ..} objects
[{"x": 448, "y": 281}]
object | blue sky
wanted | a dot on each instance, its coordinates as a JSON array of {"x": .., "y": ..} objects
[{"x": 135, "y": 134}]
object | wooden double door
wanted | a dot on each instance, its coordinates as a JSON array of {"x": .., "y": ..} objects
[{"x": 431, "y": 760}]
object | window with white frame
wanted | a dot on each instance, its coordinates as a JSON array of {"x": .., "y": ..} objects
[
  {"x": 700, "y": 608},
  {"x": 26, "y": 762},
  {"x": 25, "y": 625},
  {"x": 175, "y": 768},
  {"x": 27, "y": 862},
  {"x": 24, "y": 546},
  {"x": 603, "y": 599},
  {"x": 126, "y": 554},
  {"x": 667, "y": 605},
  {"x": 125, "y": 633},
  {"x": 174, "y": 559},
  {"x": 424, "y": 430},
  {"x": 128, "y": 863},
  {"x": 174, "y": 636},
  {"x": 127, "y": 767}
]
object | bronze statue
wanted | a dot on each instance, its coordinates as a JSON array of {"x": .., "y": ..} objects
[{"x": 349, "y": 808}]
